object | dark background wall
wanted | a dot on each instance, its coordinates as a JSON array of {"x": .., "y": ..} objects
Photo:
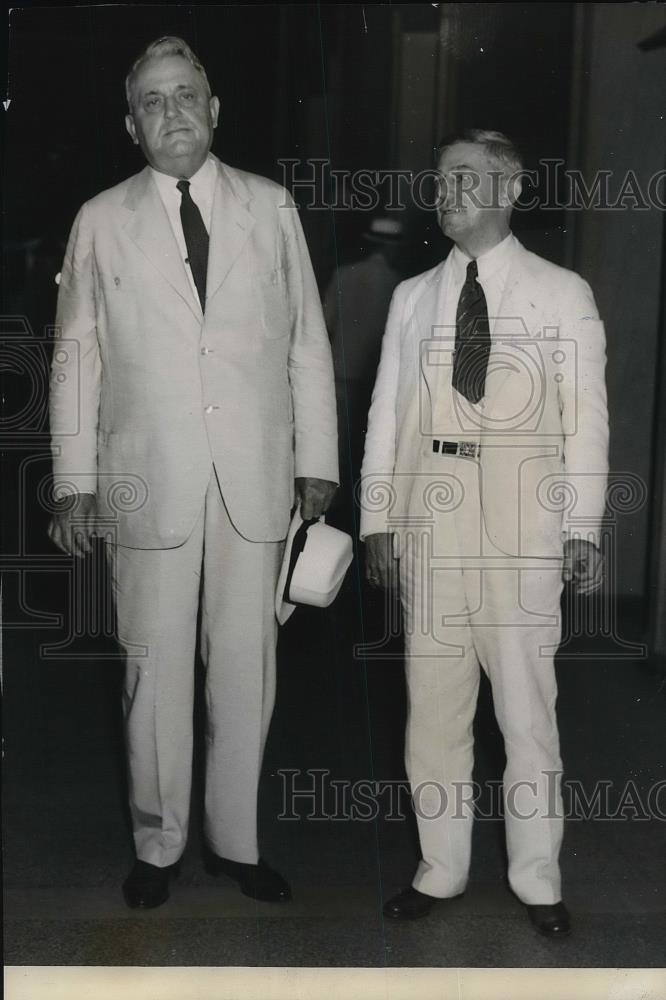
[
  {"x": 344, "y": 81},
  {"x": 621, "y": 88},
  {"x": 368, "y": 87}
]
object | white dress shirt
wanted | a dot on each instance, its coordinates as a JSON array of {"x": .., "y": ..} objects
[
  {"x": 202, "y": 190},
  {"x": 454, "y": 418}
]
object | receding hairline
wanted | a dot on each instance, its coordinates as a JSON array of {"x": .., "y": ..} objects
[
  {"x": 496, "y": 145},
  {"x": 164, "y": 48}
]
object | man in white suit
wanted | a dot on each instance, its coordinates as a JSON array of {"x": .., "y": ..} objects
[
  {"x": 192, "y": 400},
  {"x": 483, "y": 487}
]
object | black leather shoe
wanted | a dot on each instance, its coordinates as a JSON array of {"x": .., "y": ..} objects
[
  {"x": 553, "y": 921},
  {"x": 410, "y": 904},
  {"x": 257, "y": 881},
  {"x": 147, "y": 886}
]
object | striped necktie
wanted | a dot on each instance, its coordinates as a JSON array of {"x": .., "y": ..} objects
[{"x": 472, "y": 338}]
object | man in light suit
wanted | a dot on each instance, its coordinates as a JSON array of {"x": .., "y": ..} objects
[
  {"x": 192, "y": 399},
  {"x": 482, "y": 489}
]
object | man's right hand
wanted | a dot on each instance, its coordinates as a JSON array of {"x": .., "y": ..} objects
[
  {"x": 72, "y": 527},
  {"x": 381, "y": 567}
]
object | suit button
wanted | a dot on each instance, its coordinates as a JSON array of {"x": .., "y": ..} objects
[
  {"x": 206, "y": 350},
  {"x": 210, "y": 408}
]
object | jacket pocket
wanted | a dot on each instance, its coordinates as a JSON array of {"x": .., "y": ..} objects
[{"x": 272, "y": 295}]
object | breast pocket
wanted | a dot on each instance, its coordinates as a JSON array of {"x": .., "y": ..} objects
[
  {"x": 272, "y": 297},
  {"x": 117, "y": 287}
]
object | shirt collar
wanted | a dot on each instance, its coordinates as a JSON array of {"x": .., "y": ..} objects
[
  {"x": 201, "y": 183},
  {"x": 488, "y": 263}
]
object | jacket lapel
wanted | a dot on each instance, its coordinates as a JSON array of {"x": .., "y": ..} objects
[
  {"x": 512, "y": 329},
  {"x": 230, "y": 228},
  {"x": 149, "y": 227},
  {"x": 427, "y": 318}
]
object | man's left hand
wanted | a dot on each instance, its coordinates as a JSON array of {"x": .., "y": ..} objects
[
  {"x": 315, "y": 496},
  {"x": 583, "y": 565}
]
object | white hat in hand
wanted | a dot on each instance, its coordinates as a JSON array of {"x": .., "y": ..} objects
[{"x": 316, "y": 558}]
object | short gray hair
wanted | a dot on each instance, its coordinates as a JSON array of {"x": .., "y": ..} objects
[
  {"x": 497, "y": 146},
  {"x": 168, "y": 45}
]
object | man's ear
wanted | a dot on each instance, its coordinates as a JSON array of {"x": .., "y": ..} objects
[
  {"x": 214, "y": 105},
  {"x": 510, "y": 190},
  {"x": 131, "y": 128}
]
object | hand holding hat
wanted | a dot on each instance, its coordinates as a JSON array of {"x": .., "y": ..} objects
[
  {"x": 316, "y": 559},
  {"x": 315, "y": 496}
]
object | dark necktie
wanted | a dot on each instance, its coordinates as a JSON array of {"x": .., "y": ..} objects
[
  {"x": 472, "y": 338},
  {"x": 196, "y": 239}
]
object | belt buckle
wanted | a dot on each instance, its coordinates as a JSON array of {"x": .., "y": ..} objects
[{"x": 467, "y": 449}]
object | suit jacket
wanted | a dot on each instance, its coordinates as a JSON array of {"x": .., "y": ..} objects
[
  {"x": 543, "y": 428},
  {"x": 146, "y": 392}
]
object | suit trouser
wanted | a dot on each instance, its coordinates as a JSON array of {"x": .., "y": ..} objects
[
  {"x": 466, "y": 603},
  {"x": 157, "y": 594}
]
